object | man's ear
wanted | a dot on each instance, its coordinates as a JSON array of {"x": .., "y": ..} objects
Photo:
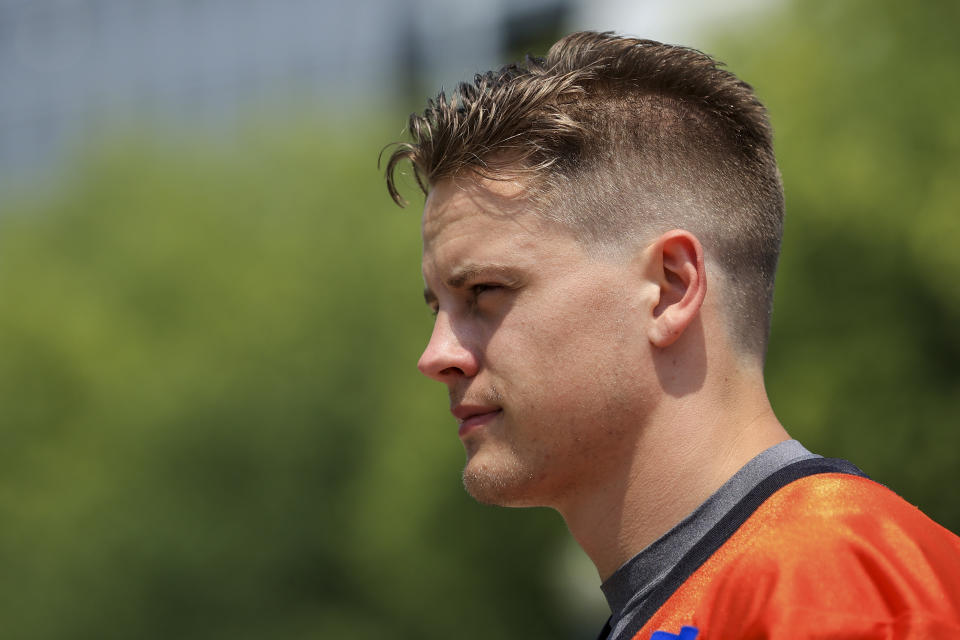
[{"x": 676, "y": 266}]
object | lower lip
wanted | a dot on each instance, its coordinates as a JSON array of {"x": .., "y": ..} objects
[{"x": 475, "y": 422}]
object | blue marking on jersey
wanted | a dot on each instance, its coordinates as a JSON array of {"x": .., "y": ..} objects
[{"x": 686, "y": 633}]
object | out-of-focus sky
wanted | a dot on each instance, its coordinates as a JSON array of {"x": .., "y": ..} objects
[{"x": 687, "y": 22}]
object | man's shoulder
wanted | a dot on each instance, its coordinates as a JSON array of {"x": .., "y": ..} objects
[
  {"x": 835, "y": 523},
  {"x": 825, "y": 555},
  {"x": 820, "y": 512},
  {"x": 841, "y": 553}
]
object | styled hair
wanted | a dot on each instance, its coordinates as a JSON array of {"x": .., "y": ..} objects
[{"x": 622, "y": 139}]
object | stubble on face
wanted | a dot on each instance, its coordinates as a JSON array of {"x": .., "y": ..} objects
[
  {"x": 502, "y": 486},
  {"x": 500, "y": 481}
]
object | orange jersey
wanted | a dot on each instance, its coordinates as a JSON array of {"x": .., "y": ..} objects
[{"x": 815, "y": 551}]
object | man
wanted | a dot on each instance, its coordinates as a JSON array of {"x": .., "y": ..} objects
[{"x": 600, "y": 238}]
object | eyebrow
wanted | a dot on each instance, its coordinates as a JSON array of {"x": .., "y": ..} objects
[{"x": 471, "y": 271}]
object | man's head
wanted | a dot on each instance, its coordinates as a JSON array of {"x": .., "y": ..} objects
[
  {"x": 575, "y": 206},
  {"x": 621, "y": 140}
]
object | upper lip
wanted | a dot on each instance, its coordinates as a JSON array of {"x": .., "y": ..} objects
[{"x": 466, "y": 411}]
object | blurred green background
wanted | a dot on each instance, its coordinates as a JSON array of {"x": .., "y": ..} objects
[{"x": 213, "y": 426}]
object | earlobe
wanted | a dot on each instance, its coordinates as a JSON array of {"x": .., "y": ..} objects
[{"x": 677, "y": 266}]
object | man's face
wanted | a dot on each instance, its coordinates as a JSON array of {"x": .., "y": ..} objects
[{"x": 541, "y": 346}]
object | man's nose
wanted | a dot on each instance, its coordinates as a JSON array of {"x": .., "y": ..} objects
[{"x": 447, "y": 356}]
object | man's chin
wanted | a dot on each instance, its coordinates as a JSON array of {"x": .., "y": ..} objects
[{"x": 501, "y": 485}]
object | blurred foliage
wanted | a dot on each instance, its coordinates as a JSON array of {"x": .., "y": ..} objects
[
  {"x": 211, "y": 419},
  {"x": 212, "y": 422}
]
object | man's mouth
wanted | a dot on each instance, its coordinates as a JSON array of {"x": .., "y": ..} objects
[{"x": 472, "y": 417}]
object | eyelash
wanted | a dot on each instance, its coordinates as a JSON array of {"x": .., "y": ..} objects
[{"x": 475, "y": 290}]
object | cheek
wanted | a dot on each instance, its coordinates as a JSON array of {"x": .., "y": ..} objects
[
  {"x": 573, "y": 356},
  {"x": 595, "y": 340},
  {"x": 578, "y": 335}
]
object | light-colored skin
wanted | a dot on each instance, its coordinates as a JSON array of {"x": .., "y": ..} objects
[{"x": 604, "y": 386}]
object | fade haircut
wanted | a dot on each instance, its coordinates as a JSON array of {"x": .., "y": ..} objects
[{"x": 620, "y": 140}]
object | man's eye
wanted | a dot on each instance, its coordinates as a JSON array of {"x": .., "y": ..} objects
[{"x": 477, "y": 289}]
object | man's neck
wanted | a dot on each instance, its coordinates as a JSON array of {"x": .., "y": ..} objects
[{"x": 695, "y": 456}]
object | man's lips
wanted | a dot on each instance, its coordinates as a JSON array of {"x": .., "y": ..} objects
[{"x": 471, "y": 417}]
